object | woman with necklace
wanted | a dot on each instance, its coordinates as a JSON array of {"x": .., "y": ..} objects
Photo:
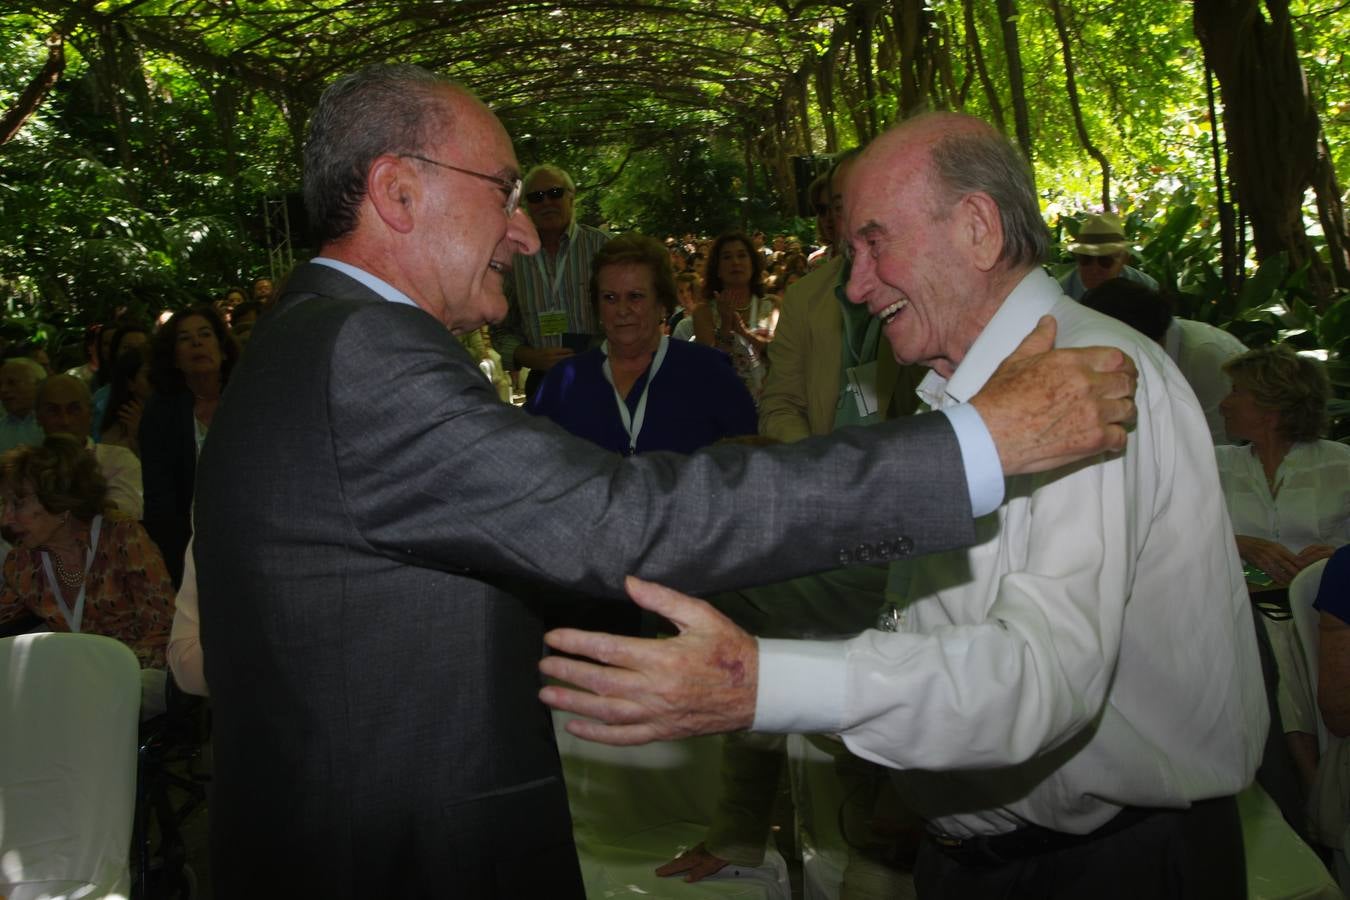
[
  {"x": 640, "y": 391},
  {"x": 75, "y": 566},
  {"x": 745, "y": 318},
  {"x": 191, "y": 357},
  {"x": 1288, "y": 492}
]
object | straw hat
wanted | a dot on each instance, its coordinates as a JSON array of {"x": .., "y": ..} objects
[{"x": 1100, "y": 235}]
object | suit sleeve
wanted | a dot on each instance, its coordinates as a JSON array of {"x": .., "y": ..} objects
[
  {"x": 782, "y": 408},
  {"x": 436, "y": 471}
]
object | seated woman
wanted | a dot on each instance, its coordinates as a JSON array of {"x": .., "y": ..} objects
[
  {"x": 1288, "y": 492},
  {"x": 640, "y": 391},
  {"x": 76, "y": 568}
]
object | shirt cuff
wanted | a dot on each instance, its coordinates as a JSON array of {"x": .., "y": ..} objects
[
  {"x": 979, "y": 454},
  {"x": 801, "y": 686}
]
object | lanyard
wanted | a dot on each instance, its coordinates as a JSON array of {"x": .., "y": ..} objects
[
  {"x": 560, "y": 264},
  {"x": 633, "y": 423},
  {"x": 74, "y": 616}
]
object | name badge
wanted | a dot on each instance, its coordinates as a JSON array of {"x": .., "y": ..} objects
[
  {"x": 862, "y": 384},
  {"x": 552, "y": 323}
]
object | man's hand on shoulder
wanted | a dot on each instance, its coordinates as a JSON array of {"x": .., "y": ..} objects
[
  {"x": 1045, "y": 408},
  {"x": 702, "y": 682}
]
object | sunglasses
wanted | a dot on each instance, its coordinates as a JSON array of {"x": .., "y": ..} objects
[
  {"x": 1104, "y": 262},
  {"x": 553, "y": 193}
]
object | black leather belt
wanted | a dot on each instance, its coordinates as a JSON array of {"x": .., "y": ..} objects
[{"x": 1031, "y": 840}]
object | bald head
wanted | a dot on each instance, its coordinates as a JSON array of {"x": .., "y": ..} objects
[
  {"x": 961, "y": 155},
  {"x": 19, "y": 379},
  {"x": 64, "y": 407}
]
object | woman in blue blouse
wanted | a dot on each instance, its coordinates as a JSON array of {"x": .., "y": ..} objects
[{"x": 640, "y": 391}]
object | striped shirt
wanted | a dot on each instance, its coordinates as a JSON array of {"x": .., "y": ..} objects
[{"x": 542, "y": 283}]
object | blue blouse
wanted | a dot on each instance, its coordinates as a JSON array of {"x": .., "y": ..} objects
[{"x": 695, "y": 400}]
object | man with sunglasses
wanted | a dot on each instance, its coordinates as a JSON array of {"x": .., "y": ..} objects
[
  {"x": 1100, "y": 253},
  {"x": 551, "y": 316}
]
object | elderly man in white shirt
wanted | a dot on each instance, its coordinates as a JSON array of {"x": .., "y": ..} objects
[{"x": 1073, "y": 702}]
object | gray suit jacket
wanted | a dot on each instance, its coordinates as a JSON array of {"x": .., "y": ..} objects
[{"x": 367, "y": 515}]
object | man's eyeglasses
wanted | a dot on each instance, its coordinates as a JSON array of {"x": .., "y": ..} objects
[
  {"x": 1104, "y": 262},
  {"x": 553, "y": 193},
  {"x": 511, "y": 187}
]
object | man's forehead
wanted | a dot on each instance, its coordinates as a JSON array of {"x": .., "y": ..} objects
[{"x": 63, "y": 394}]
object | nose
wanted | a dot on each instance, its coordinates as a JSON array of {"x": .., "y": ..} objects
[
  {"x": 521, "y": 233},
  {"x": 861, "y": 279}
]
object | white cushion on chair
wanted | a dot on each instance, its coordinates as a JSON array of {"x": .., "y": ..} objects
[
  {"x": 634, "y": 808},
  {"x": 69, "y": 709}
]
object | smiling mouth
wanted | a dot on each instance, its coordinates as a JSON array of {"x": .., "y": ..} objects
[{"x": 888, "y": 314}]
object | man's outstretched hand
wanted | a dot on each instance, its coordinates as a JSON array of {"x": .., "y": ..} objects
[
  {"x": 703, "y": 681},
  {"x": 1045, "y": 408}
]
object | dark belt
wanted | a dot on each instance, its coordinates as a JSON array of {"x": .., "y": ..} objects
[{"x": 1031, "y": 840}]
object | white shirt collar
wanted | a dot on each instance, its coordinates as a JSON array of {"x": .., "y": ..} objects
[
  {"x": 376, "y": 284},
  {"x": 1033, "y": 297}
]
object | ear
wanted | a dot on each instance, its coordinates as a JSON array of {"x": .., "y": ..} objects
[
  {"x": 980, "y": 230},
  {"x": 394, "y": 190}
]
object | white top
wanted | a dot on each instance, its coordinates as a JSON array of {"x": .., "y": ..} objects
[
  {"x": 1094, "y": 649},
  {"x": 1200, "y": 350},
  {"x": 1313, "y": 503},
  {"x": 122, "y": 470}
]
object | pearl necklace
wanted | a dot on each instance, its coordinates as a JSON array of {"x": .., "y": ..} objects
[{"x": 66, "y": 576}]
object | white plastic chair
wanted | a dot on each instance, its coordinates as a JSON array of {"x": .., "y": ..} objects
[
  {"x": 634, "y": 808},
  {"x": 69, "y": 709}
]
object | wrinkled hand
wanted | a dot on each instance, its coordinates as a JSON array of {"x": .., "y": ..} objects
[
  {"x": 129, "y": 414},
  {"x": 1274, "y": 559},
  {"x": 696, "y": 864},
  {"x": 703, "y": 681},
  {"x": 541, "y": 360},
  {"x": 1045, "y": 408}
]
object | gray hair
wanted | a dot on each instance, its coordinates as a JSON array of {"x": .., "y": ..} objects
[
  {"x": 378, "y": 110},
  {"x": 550, "y": 169},
  {"x": 984, "y": 162},
  {"x": 33, "y": 366}
]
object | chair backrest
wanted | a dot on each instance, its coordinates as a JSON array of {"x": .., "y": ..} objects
[
  {"x": 69, "y": 709},
  {"x": 1302, "y": 593}
]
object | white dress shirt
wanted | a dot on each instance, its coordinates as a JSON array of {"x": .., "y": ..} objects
[
  {"x": 1094, "y": 649},
  {"x": 1200, "y": 350},
  {"x": 122, "y": 470},
  {"x": 1312, "y": 505}
]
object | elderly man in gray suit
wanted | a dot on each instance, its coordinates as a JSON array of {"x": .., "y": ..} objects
[{"x": 369, "y": 514}]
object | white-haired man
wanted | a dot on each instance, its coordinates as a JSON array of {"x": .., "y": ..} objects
[{"x": 1074, "y": 701}]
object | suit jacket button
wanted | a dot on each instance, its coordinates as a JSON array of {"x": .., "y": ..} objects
[
  {"x": 845, "y": 558},
  {"x": 884, "y": 550},
  {"x": 904, "y": 546},
  {"x": 863, "y": 553}
]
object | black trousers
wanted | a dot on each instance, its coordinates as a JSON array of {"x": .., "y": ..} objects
[{"x": 1185, "y": 854}]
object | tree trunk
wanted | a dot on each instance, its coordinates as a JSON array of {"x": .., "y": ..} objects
[
  {"x": 1273, "y": 131},
  {"x": 1007, "y": 14},
  {"x": 972, "y": 43},
  {"x": 863, "y": 54},
  {"x": 32, "y": 96},
  {"x": 1071, "y": 82}
]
